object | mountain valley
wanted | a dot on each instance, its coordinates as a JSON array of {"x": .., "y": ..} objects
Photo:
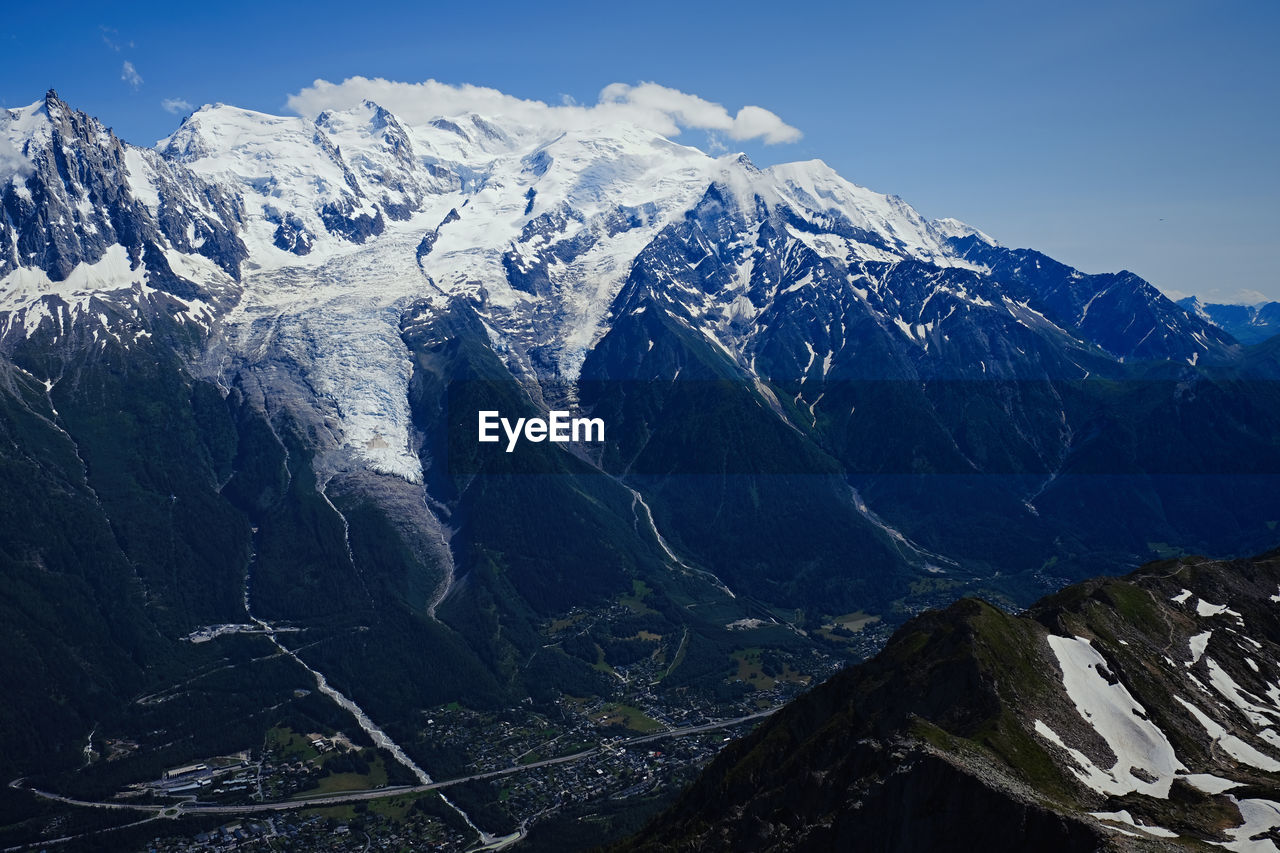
[{"x": 240, "y": 375}]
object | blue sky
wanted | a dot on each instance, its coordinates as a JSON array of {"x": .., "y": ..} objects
[{"x": 1142, "y": 136}]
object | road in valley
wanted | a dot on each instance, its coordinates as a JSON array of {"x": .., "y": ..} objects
[{"x": 398, "y": 790}]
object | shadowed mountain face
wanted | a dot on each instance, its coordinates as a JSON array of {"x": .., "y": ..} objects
[
  {"x": 1133, "y": 713},
  {"x": 240, "y": 378}
]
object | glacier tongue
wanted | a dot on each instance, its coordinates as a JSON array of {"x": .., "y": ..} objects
[{"x": 338, "y": 324}]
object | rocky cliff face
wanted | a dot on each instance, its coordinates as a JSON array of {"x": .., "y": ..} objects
[
  {"x": 1119, "y": 312},
  {"x": 80, "y": 191}
]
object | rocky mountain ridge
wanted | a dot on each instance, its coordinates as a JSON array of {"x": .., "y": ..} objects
[{"x": 1134, "y": 713}]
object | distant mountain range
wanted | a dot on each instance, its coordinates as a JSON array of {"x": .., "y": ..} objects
[
  {"x": 240, "y": 376},
  {"x": 1135, "y": 713},
  {"x": 1249, "y": 324}
]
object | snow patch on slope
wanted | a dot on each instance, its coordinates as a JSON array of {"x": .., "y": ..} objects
[
  {"x": 1116, "y": 716},
  {"x": 1123, "y": 816},
  {"x": 1260, "y": 816},
  {"x": 1222, "y": 681},
  {"x": 114, "y": 271},
  {"x": 1204, "y": 609},
  {"x": 1199, "y": 643},
  {"x": 1232, "y": 745}
]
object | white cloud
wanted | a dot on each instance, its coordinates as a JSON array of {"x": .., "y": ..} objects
[
  {"x": 751, "y": 122},
  {"x": 130, "y": 75},
  {"x": 1247, "y": 296},
  {"x": 176, "y": 105},
  {"x": 659, "y": 108},
  {"x": 12, "y": 161}
]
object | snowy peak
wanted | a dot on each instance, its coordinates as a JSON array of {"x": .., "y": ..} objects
[
  {"x": 292, "y": 174},
  {"x": 1194, "y": 306},
  {"x": 74, "y": 193},
  {"x": 25, "y": 131},
  {"x": 66, "y": 177},
  {"x": 471, "y": 139},
  {"x": 547, "y": 239},
  {"x": 834, "y": 204},
  {"x": 832, "y": 216},
  {"x": 337, "y": 180},
  {"x": 380, "y": 154},
  {"x": 593, "y": 171},
  {"x": 955, "y": 229}
]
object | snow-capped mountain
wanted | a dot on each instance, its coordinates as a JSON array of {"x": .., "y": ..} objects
[
  {"x": 89, "y": 218},
  {"x": 74, "y": 191},
  {"x": 301, "y": 252},
  {"x": 571, "y": 212},
  {"x": 314, "y": 226},
  {"x": 240, "y": 374}
]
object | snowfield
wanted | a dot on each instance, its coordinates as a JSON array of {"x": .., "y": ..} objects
[
  {"x": 1116, "y": 716},
  {"x": 353, "y": 217}
]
